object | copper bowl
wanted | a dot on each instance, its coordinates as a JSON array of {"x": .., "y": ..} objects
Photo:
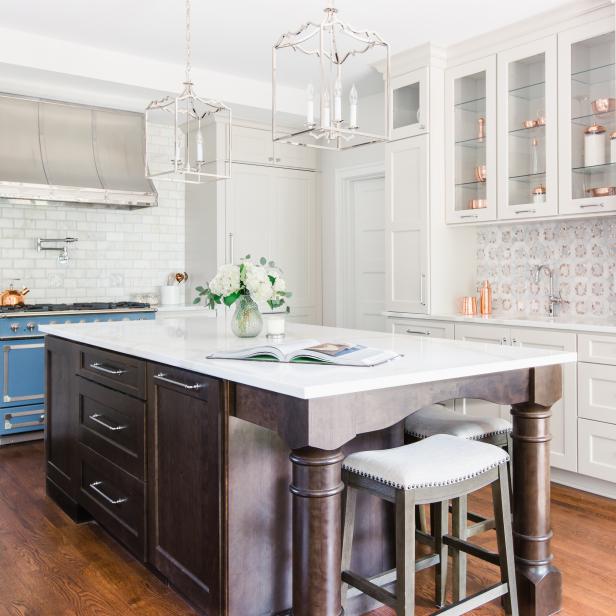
[
  {"x": 477, "y": 204},
  {"x": 604, "y": 191},
  {"x": 540, "y": 121},
  {"x": 529, "y": 123},
  {"x": 604, "y": 105},
  {"x": 480, "y": 173}
]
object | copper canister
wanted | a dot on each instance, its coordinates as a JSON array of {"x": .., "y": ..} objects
[
  {"x": 485, "y": 298},
  {"x": 468, "y": 306}
]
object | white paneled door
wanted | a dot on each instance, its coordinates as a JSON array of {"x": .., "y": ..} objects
[
  {"x": 364, "y": 297},
  {"x": 406, "y": 225}
]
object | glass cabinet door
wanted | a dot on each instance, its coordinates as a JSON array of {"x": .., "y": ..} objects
[
  {"x": 527, "y": 140},
  {"x": 470, "y": 99},
  {"x": 409, "y": 104},
  {"x": 587, "y": 83}
]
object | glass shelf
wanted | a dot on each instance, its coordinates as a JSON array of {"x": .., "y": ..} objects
[
  {"x": 472, "y": 184},
  {"x": 476, "y": 105},
  {"x": 607, "y": 119},
  {"x": 594, "y": 169},
  {"x": 530, "y": 92},
  {"x": 528, "y": 133},
  {"x": 475, "y": 143},
  {"x": 596, "y": 75},
  {"x": 529, "y": 178}
]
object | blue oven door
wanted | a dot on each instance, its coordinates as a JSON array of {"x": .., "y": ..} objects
[{"x": 22, "y": 375}]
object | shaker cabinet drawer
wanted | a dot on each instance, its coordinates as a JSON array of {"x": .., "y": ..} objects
[
  {"x": 597, "y": 348},
  {"x": 117, "y": 371},
  {"x": 597, "y": 392},
  {"x": 115, "y": 499},
  {"x": 423, "y": 328},
  {"x": 597, "y": 449},
  {"x": 113, "y": 424}
]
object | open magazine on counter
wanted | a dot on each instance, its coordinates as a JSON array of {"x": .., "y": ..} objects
[{"x": 312, "y": 351}]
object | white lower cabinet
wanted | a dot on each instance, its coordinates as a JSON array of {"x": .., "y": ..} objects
[
  {"x": 597, "y": 392},
  {"x": 597, "y": 445},
  {"x": 422, "y": 327},
  {"x": 564, "y": 412}
]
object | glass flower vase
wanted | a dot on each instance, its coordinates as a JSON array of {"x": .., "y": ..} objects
[{"x": 246, "y": 321}]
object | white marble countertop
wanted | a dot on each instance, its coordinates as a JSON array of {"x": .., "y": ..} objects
[
  {"x": 185, "y": 343},
  {"x": 605, "y": 325}
]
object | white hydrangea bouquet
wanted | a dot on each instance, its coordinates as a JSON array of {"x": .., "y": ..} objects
[{"x": 250, "y": 283}]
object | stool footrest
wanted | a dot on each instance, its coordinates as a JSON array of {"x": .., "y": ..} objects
[
  {"x": 472, "y": 549},
  {"x": 480, "y": 527},
  {"x": 476, "y": 600},
  {"x": 367, "y": 587},
  {"x": 424, "y": 538}
]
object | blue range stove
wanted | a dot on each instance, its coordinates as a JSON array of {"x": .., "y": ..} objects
[{"x": 22, "y": 380}]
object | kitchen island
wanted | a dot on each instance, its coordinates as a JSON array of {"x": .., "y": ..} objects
[{"x": 185, "y": 459}]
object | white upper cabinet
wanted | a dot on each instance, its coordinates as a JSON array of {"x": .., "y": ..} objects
[
  {"x": 470, "y": 133},
  {"x": 406, "y": 225},
  {"x": 410, "y": 104},
  {"x": 587, "y": 107},
  {"x": 527, "y": 130}
]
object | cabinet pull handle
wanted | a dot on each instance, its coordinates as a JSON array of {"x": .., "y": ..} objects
[
  {"x": 96, "y": 418},
  {"x": 110, "y": 370},
  {"x": 163, "y": 377},
  {"x": 112, "y": 501},
  {"x": 469, "y": 216},
  {"x": 591, "y": 205},
  {"x": 416, "y": 331},
  {"x": 526, "y": 211},
  {"x": 422, "y": 300},
  {"x": 8, "y": 425},
  {"x": 231, "y": 248}
]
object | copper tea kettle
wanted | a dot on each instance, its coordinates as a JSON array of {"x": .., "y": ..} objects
[{"x": 13, "y": 297}]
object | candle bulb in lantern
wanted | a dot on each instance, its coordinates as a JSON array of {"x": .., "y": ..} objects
[
  {"x": 325, "y": 114},
  {"x": 338, "y": 101},
  {"x": 310, "y": 105},
  {"x": 200, "y": 156},
  {"x": 353, "y": 107}
]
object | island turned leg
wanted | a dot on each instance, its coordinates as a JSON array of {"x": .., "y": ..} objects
[
  {"x": 316, "y": 488},
  {"x": 539, "y": 581}
]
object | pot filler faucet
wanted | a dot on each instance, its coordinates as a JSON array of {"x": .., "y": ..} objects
[{"x": 554, "y": 299}]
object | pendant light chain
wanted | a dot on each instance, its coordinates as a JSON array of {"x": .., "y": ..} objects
[{"x": 188, "y": 50}]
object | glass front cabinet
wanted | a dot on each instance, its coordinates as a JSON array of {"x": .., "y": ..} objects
[
  {"x": 470, "y": 129},
  {"x": 409, "y": 104},
  {"x": 528, "y": 131},
  {"x": 587, "y": 99}
]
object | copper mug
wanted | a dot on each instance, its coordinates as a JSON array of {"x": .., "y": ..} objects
[{"x": 468, "y": 306}]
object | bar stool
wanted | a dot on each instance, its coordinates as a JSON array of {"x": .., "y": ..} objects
[
  {"x": 431, "y": 471},
  {"x": 438, "y": 419}
]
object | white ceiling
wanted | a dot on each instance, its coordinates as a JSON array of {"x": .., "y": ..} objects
[{"x": 235, "y": 36}]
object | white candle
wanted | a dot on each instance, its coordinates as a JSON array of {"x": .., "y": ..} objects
[
  {"x": 338, "y": 101},
  {"x": 353, "y": 103},
  {"x": 310, "y": 104},
  {"x": 178, "y": 149},
  {"x": 275, "y": 325},
  {"x": 325, "y": 115},
  {"x": 200, "y": 156}
]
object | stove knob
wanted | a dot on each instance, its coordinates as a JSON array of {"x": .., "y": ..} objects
[
  {"x": 31, "y": 326},
  {"x": 14, "y": 326}
]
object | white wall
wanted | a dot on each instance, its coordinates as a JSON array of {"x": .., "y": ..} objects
[{"x": 119, "y": 252}]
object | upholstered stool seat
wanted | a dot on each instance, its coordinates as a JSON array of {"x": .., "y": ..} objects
[
  {"x": 436, "y": 461},
  {"x": 438, "y": 419},
  {"x": 430, "y": 471}
]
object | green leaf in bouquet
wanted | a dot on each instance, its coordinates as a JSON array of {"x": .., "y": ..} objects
[
  {"x": 262, "y": 261},
  {"x": 229, "y": 299},
  {"x": 200, "y": 290},
  {"x": 197, "y": 300}
]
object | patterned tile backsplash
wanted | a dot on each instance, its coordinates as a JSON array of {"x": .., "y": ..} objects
[{"x": 582, "y": 254}]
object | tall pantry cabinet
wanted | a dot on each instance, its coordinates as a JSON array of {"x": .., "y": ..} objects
[{"x": 268, "y": 208}]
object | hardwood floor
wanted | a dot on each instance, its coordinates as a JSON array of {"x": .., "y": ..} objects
[{"x": 50, "y": 566}]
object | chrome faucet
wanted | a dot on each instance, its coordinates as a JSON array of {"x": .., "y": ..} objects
[{"x": 553, "y": 299}]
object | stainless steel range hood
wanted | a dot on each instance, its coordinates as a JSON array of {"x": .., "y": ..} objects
[{"x": 54, "y": 152}]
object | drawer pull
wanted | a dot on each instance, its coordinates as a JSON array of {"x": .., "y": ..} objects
[
  {"x": 96, "y": 418},
  {"x": 526, "y": 211},
  {"x": 8, "y": 425},
  {"x": 469, "y": 216},
  {"x": 112, "y": 501},
  {"x": 582, "y": 207},
  {"x": 102, "y": 368},
  {"x": 415, "y": 331},
  {"x": 163, "y": 377}
]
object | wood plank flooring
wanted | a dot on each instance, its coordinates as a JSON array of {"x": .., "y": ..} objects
[{"x": 50, "y": 566}]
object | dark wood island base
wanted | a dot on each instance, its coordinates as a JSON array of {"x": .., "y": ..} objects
[{"x": 192, "y": 474}]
